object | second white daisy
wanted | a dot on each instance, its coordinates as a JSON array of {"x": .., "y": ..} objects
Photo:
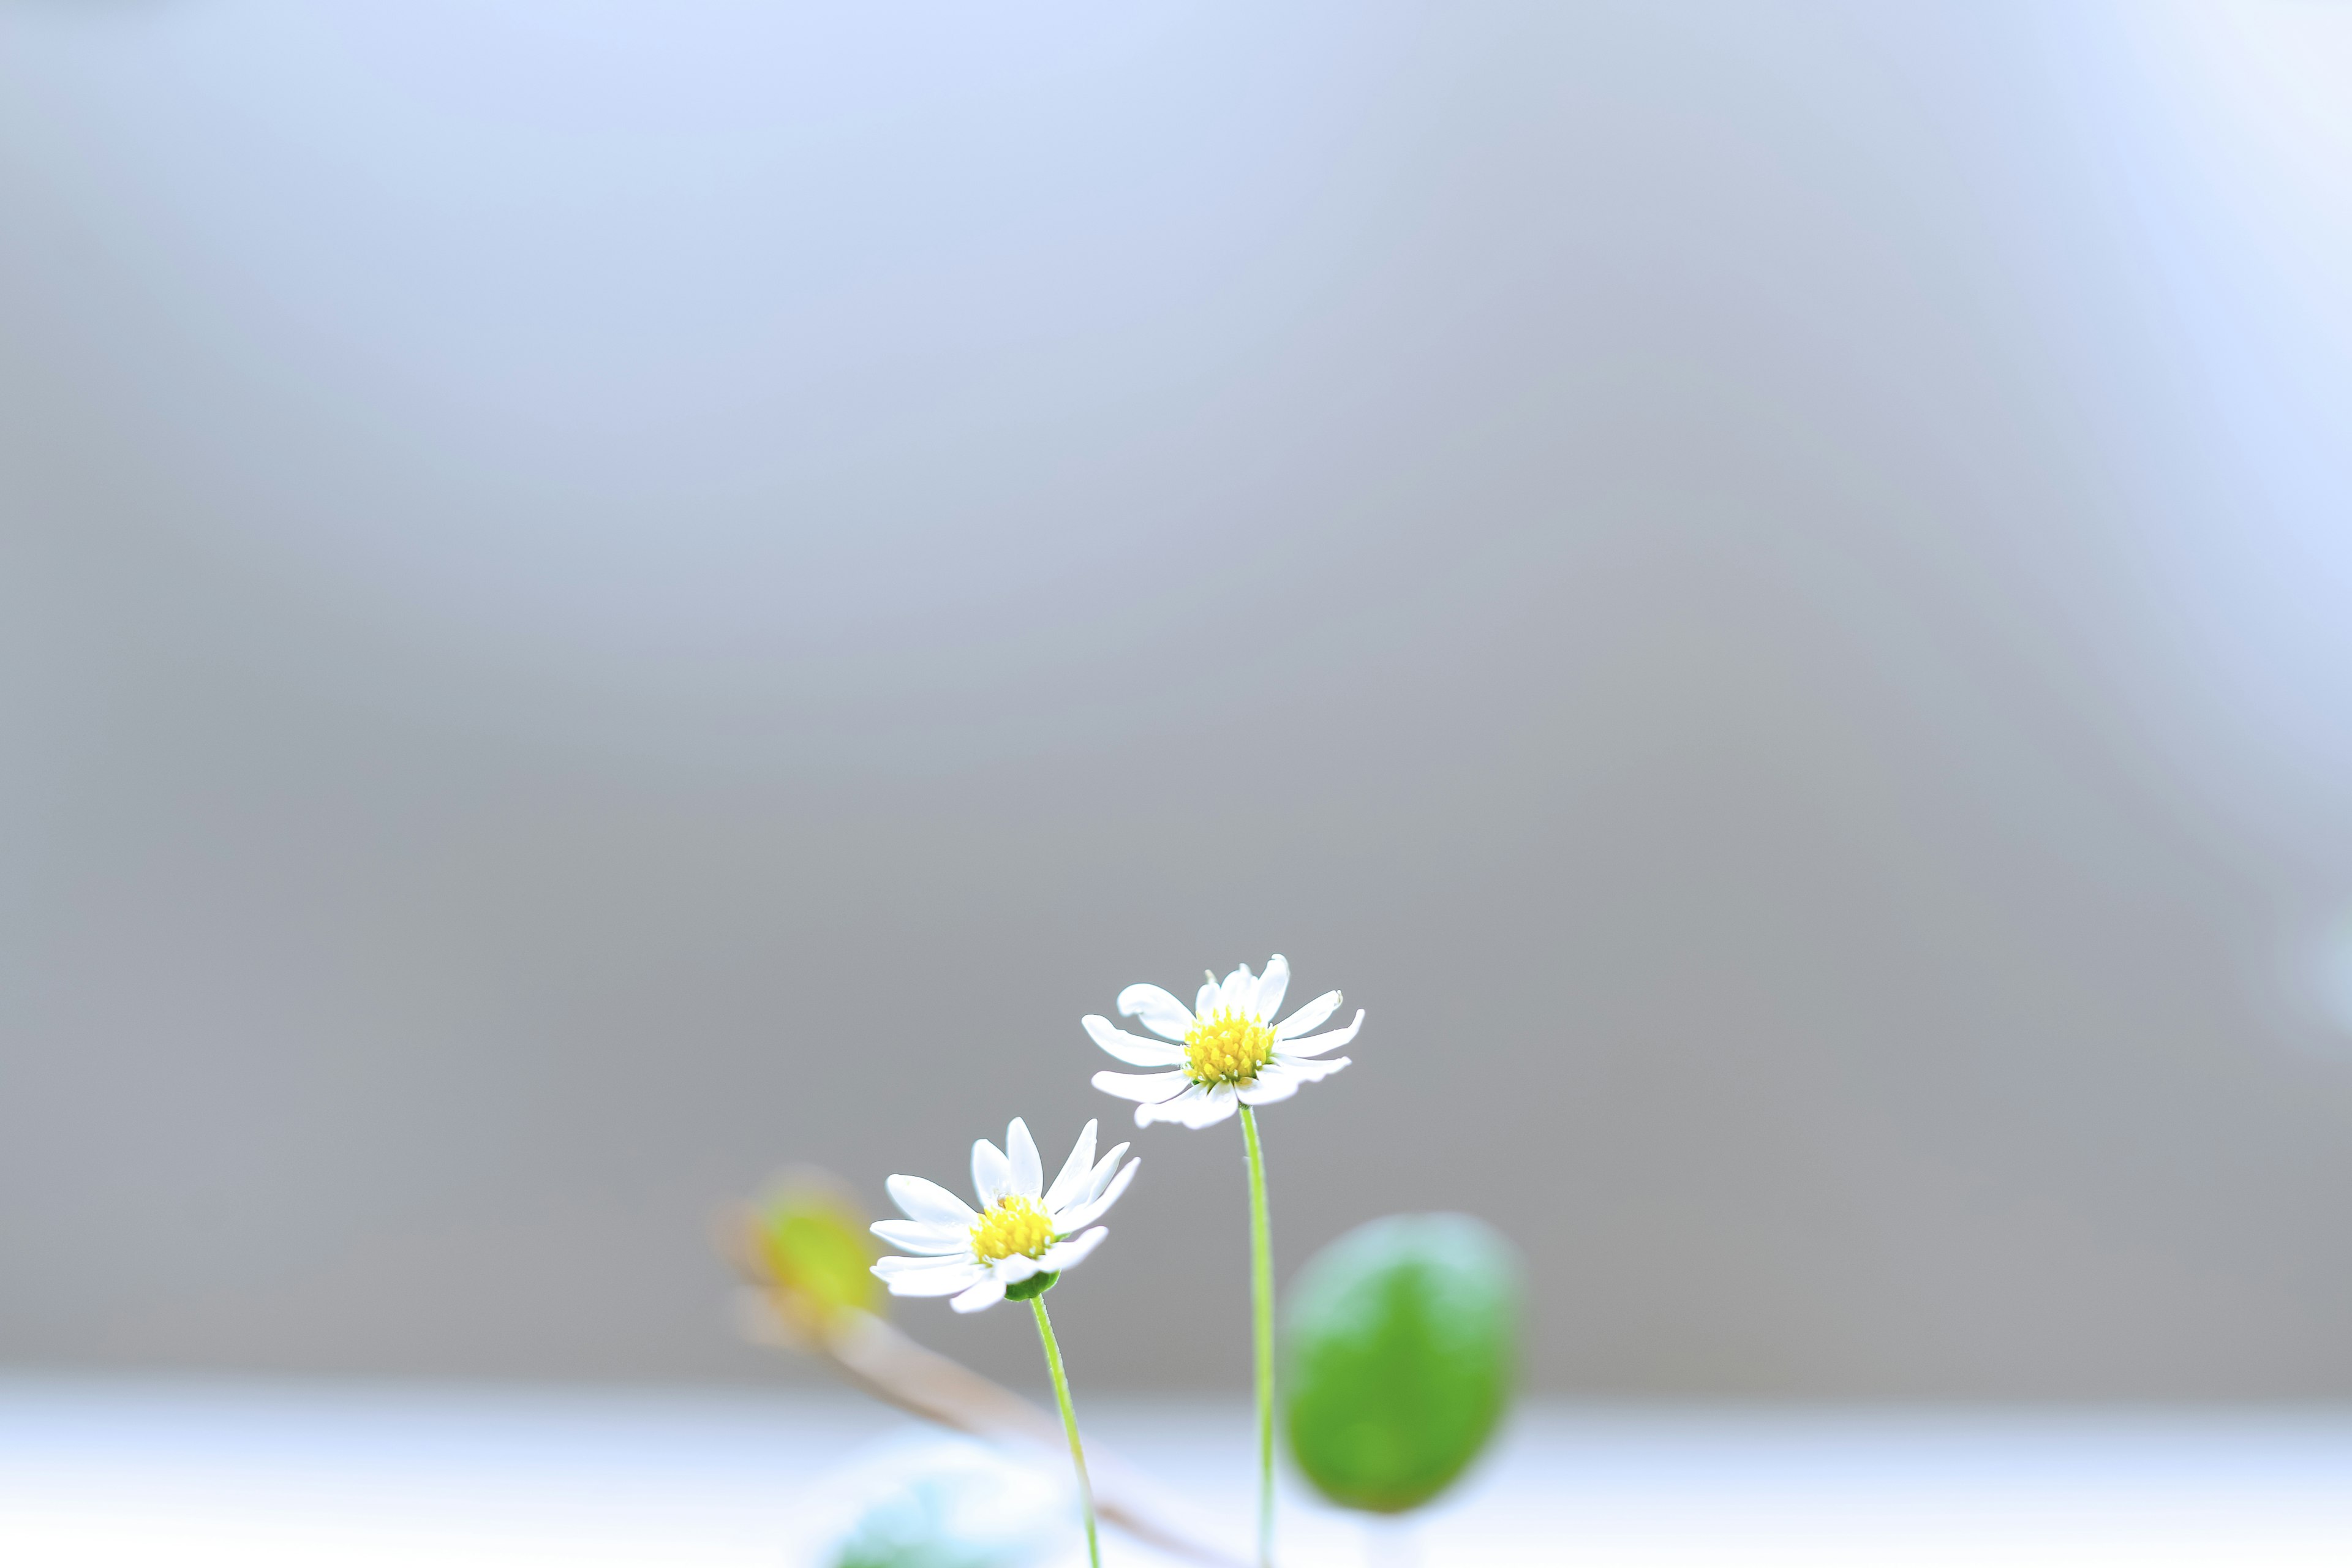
[
  {"x": 1022, "y": 1233},
  {"x": 1224, "y": 1052}
]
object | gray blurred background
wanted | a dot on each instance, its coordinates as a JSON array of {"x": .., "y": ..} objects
[{"x": 596, "y": 598}]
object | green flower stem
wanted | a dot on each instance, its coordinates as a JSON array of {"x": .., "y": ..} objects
[
  {"x": 1262, "y": 1306},
  {"x": 1069, "y": 1425}
]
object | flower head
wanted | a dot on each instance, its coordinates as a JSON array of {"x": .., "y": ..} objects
[
  {"x": 1224, "y": 1050},
  {"x": 1022, "y": 1236}
]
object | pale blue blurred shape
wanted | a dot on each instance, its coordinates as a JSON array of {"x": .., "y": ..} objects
[{"x": 933, "y": 1503}]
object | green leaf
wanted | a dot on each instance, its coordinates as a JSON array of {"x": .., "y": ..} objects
[{"x": 1401, "y": 1346}]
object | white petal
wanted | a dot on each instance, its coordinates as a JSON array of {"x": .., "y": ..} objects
[
  {"x": 1315, "y": 1044},
  {"x": 1203, "y": 1108},
  {"x": 1071, "y": 1253},
  {"x": 1205, "y": 1003},
  {"x": 1172, "y": 1110},
  {"x": 1272, "y": 1084},
  {"x": 1105, "y": 1169},
  {"x": 1028, "y": 1171},
  {"x": 1015, "y": 1269},
  {"x": 1149, "y": 1088},
  {"x": 1132, "y": 1049},
  {"x": 1077, "y": 1171},
  {"x": 913, "y": 1236},
  {"x": 1310, "y": 1016},
  {"x": 929, "y": 1203},
  {"x": 1271, "y": 986},
  {"x": 1308, "y": 1070},
  {"x": 1238, "y": 992},
  {"x": 929, "y": 1277},
  {"x": 1157, "y": 1010},
  {"x": 985, "y": 1294},
  {"x": 896, "y": 1267},
  {"x": 991, "y": 1174},
  {"x": 1085, "y": 1213}
]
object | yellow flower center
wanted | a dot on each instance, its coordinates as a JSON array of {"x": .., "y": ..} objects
[
  {"x": 1227, "y": 1047},
  {"x": 1014, "y": 1226}
]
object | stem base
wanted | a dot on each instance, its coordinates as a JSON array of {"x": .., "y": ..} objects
[
  {"x": 1262, "y": 1313},
  {"x": 1070, "y": 1422}
]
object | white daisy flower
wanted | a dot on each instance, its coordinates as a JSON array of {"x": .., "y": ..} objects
[
  {"x": 1019, "y": 1239},
  {"x": 1227, "y": 1049}
]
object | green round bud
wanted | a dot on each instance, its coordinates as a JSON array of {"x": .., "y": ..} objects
[{"x": 1401, "y": 1346}]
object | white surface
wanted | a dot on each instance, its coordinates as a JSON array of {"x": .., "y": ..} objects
[{"x": 262, "y": 1477}]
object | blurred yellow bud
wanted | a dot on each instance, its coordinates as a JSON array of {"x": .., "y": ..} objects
[{"x": 813, "y": 1253}]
